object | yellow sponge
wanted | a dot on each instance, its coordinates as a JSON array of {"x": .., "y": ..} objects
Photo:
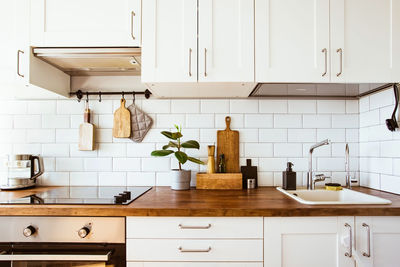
[{"x": 333, "y": 186}]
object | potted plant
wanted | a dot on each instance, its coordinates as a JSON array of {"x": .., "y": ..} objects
[{"x": 180, "y": 179}]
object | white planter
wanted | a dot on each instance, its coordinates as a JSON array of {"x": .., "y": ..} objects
[{"x": 180, "y": 180}]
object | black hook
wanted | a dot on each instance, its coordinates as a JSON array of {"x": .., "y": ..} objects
[
  {"x": 134, "y": 97},
  {"x": 79, "y": 95},
  {"x": 99, "y": 96},
  {"x": 147, "y": 93},
  {"x": 87, "y": 97},
  {"x": 123, "y": 95}
]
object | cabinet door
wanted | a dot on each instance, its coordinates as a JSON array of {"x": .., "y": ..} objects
[
  {"x": 292, "y": 41},
  {"x": 226, "y": 40},
  {"x": 194, "y": 264},
  {"x": 307, "y": 241},
  {"x": 169, "y": 51},
  {"x": 368, "y": 34},
  {"x": 384, "y": 241},
  {"x": 86, "y": 23}
]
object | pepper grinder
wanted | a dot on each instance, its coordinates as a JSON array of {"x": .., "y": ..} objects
[{"x": 211, "y": 159}]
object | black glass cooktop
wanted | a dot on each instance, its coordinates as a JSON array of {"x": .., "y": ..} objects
[{"x": 83, "y": 195}]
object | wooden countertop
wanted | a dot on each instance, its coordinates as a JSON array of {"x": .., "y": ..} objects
[{"x": 161, "y": 201}]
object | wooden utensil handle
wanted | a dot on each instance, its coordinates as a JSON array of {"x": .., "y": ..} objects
[
  {"x": 228, "y": 123},
  {"x": 86, "y": 116}
]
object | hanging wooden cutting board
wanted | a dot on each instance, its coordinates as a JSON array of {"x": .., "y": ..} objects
[
  {"x": 122, "y": 121},
  {"x": 86, "y": 133},
  {"x": 228, "y": 144}
]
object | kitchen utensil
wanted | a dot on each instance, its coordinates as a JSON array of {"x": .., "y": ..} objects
[
  {"x": 211, "y": 159},
  {"x": 86, "y": 133},
  {"x": 22, "y": 171},
  {"x": 122, "y": 121},
  {"x": 219, "y": 181},
  {"x": 140, "y": 123},
  {"x": 228, "y": 144},
  {"x": 249, "y": 172},
  {"x": 251, "y": 183}
]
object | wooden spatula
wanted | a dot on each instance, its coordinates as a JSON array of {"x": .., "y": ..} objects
[
  {"x": 86, "y": 133},
  {"x": 122, "y": 121},
  {"x": 228, "y": 144}
]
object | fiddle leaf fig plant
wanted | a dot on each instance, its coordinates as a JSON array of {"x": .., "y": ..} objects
[{"x": 177, "y": 144}]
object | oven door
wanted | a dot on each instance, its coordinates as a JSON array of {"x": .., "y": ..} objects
[{"x": 68, "y": 254}]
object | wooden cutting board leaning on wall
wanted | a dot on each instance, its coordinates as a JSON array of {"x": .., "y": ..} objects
[
  {"x": 122, "y": 121},
  {"x": 228, "y": 144}
]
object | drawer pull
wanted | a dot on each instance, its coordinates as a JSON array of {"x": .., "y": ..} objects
[
  {"x": 194, "y": 250},
  {"x": 194, "y": 227}
]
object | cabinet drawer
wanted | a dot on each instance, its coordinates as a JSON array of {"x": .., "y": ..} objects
[
  {"x": 194, "y": 227},
  {"x": 194, "y": 250},
  {"x": 195, "y": 264}
]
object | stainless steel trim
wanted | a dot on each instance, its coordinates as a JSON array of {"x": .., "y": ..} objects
[
  {"x": 132, "y": 33},
  {"x": 350, "y": 252},
  {"x": 190, "y": 62},
  {"x": 367, "y": 254},
  {"x": 205, "y": 62},
  {"x": 194, "y": 227},
  {"x": 341, "y": 61},
  {"x": 18, "y": 53},
  {"x": 194, "y": 250},
  {"x": 325, "y": 51},
  {"x": 55, "y": 257}
]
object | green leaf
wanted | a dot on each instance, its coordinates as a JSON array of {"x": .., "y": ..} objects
[
  {"x": 191, "y": 144},
  {"x": 181, "y": 157},
  {"x": 170, "y": 144},
  {"x": 196, "y": 160},
  {"x": 161, "y": 153},
  {"x": 170, "y": 135}
]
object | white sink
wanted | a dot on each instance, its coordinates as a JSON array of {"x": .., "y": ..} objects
[{"x": 327, "y": 197}]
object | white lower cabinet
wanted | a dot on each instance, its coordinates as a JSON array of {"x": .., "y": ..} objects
[
  {"x": 308, "y": 241},
  {"x": 194, "y": 242}
]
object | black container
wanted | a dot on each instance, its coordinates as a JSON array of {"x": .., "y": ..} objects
[{"x": 289, "y": 178}]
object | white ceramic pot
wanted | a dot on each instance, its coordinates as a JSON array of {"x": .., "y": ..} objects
[{"x": 180, "y": 180}]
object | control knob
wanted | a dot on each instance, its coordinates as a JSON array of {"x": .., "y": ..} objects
[
  {"x": 84, "y": 231},
  {"x": 29, "y": 231}
]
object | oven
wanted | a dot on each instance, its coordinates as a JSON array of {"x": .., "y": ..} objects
[{"x": 62, "y": 241}]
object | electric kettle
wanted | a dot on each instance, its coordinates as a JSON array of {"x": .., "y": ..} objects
[{"x": 22, "y": 171}]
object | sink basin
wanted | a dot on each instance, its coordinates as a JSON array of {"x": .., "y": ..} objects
[{"x": 327, "y": 197}]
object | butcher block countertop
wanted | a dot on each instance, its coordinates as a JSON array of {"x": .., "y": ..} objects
[{"x": 162, "y": 201}]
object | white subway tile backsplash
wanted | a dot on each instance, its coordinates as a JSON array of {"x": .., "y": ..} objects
[
  {"x": 163, "y": 179},
  {"x": 185, "y": 106},
  {"x": 352, "y": 135},
  {"x": 352, "y": 106},
  {"x": 55, "y": 178},
  {"x": 83, "y": 179},
  {"x": 288, "y": 150},
  {"x": 76, "y": 153},
  {"x": 112, "y": 179},
  {"x": 381, "y": 99},
  {"x": 103, "y": 135},
  {"x": 27, "y": 121},
  {"x": 106, "y": 121},
  {"x": 40, "y": 136},
  {"x": 331, "y": 106},
  {"x": 258, "y": 121},
  {"x": 69, "y": 164},
  {"x": 214, "y": 106},
  {"x": 141, "y": 179},
  {"x": 199, "y": 121},
  {"x": 369, "y": 118},
  {"x": 42, "y": 107},
  {"x": 6, "y": 122},
  {"x": 287, "y": 121},
  {"x": 345, "y": 121},
  {"x": 272, "y": 135},
  {"x": 302, "y": 135},
  {"x": 67, "y": 135},
  {"x": 169, "y": 120},
  {"x": 243, "y": 106},
  {"x": 273, "y": 106},
  {"x": 390, "y": 149},
  {"x": 317, "y": 121},
  {"x": 330, "y": 164},
  {"x": 98, "y": 164},
  {"x": 13, "y": 107},
  {"x": 272, "y": 164},
  {"x": 302, "y": 106},
  {"x": 157, "y": 106},
  {"x": 70, "y": 107},
  {"x": 265, "y": 178},
  {"x": 27, "y": 149},
  {"x": 55, "y": 150},
  {"x": 364, "y": 104},
  {"x": 112, "y": 150},
  {"x": 208, "y": 135},
  {"x": 156, "y": 164},
  {"x": 261, "y": 150},
  {"x": 55, "y": 121},
  {"x": 140, "y": 150},
  {"x": 335, "y": 135},
  {"x": 248, "y": 136},
  {"x": 12, "y": 136},
  {"x": 390, "y": 183},
  {"x": 126, "y": 164},
  {"x": 49, "y": 164},
  {"x": 237, "y": 121}
]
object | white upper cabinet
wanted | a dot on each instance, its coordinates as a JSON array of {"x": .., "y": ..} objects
[
  {"x": 205, "y": 41},
  {"x": 292, "y": 40},
  {"x": 365, "y": 40},
  {"x": 226, "y": 40},
  {"x": 169, "y": 52},
  {"x": 86, "y": 23}
]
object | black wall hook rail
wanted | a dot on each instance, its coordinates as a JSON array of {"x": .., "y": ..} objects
[{"x": 79, "y": 94}]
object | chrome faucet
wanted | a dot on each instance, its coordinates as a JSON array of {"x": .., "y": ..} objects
[
  {"x": 347, "y": 167},
  {"x": 310, "y": 184}
]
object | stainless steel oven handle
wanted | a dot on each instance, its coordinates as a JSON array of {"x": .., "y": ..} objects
[{"x": 54, "y": 257}]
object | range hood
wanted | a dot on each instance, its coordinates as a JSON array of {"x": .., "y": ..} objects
[{"x": 125, "y": 61}]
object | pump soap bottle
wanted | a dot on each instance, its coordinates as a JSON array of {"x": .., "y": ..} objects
[{"x": 289, "y": 178}]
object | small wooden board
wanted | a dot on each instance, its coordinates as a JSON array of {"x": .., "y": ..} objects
[
  {"x": 228, "y": 144},
  {"x": 122, "y": 122},
  {"x": 86, "y": 133},
  {"x": 219, "y": 181}
]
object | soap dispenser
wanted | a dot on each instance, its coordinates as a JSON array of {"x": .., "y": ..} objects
[{"x": 289, "y": 178}]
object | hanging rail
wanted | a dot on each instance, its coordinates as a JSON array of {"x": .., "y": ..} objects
[{"x": 79, "y": 94}]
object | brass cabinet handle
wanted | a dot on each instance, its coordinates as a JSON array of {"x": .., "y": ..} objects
[
  {"x": 340, "y": 51},
  {"x": 18, "y": 53},
  {"x": 194, "y": 227},
  {"x": 325, "y": 51},
  {"x": 190, "y": 62},
  {"x": 132, "y": 31},
  {"x": 367, "y": 254},
  {"x": 194, "y": 250},
  {"x": 350, "y": 252},
  {"x": 205, "y": 62}
]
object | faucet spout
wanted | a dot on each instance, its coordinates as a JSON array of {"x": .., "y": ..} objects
[
  {"x": 310, "y": 184},
  {"x": 347, "y": 166}
]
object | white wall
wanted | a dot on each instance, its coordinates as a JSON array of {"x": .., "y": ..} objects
[
  {"x": 271, "y": 133},
  {"x": 379, "y": 148}
]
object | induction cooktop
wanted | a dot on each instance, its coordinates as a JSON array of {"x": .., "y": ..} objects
[{"x": 110, "y": 195}]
